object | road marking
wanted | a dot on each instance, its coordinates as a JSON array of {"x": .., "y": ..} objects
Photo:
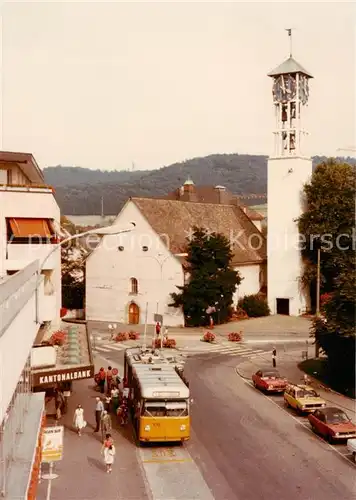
[
  {"x": 300, "y": 422},
  {"x": 115, "y": 347},
  {"x": 173, "y": 460},
  {"x": 102, "y": 349}
]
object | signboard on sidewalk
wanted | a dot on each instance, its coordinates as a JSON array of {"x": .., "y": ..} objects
[{"x": 52, "y": 444}]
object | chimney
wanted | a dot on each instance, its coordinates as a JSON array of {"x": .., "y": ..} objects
[{"x": 223, "y": 195}]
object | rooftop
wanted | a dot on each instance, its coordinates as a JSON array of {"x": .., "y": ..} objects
[
  {"x": 289, "y": 66},
  {"x": 26, "y": 162},
  {"x": 174, "y": 221}
]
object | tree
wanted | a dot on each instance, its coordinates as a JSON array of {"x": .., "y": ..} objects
[
  {"x": 212, "y": 280},
  {"x": 329, "y": 221},
  {"x": 73, "y": 277}
]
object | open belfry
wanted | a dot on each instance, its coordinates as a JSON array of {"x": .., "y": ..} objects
[{"x": 288, "y": 170}]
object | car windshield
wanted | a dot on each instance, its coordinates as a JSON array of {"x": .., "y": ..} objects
[
  {"x": 271, "y": 374},
  {"x": 309, "y": 394},
  {"x": 337, "y": 418}
]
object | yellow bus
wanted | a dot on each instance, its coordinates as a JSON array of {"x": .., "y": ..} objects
[{"x": 158, "y": 398}]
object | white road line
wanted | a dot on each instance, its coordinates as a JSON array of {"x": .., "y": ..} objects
[
  {"x": 321, "y": 440},
  {"x": 115, "y": 347},
  {"x": 102, "y": 349}
]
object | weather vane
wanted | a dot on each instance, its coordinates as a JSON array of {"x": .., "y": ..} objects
[{"x": 289, "y": 31}]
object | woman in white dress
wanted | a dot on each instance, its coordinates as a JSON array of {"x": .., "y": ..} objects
[
  {"x": 109, "y": 454},
  {"x": 79, "y": 422}
]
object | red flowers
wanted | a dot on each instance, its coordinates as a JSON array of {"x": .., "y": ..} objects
[
  {"x": 167, "y": 343},
  {"x": 58, "y": 338},
  {"x": 325, "y": 298},
  {"x": 208, "y": 337},
  {"x": 63, "y": 312},
  {"x": 133, "y": 335},
  {"x": 235, "y": 336}
]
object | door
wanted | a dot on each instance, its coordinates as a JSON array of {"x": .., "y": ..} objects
[
  {"x": 283, "y": 306},
  {"x": 134, "y": 314}
]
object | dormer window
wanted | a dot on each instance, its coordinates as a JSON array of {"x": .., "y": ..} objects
[
  {"x": 134, "y": 286},
  {"x": 144, "y": 248}
]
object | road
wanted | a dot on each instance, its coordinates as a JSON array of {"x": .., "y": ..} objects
[{"x": 249, "y": 448}]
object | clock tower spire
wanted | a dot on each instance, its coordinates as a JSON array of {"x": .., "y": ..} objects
[
  {"x": 290, "y": 95},
  {"x": 287, "y": 172}
]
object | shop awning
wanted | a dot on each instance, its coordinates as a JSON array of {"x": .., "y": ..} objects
[{"x": 31, "y": 228}]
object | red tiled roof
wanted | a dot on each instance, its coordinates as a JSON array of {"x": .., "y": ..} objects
[{"x": 174, "y": 221}]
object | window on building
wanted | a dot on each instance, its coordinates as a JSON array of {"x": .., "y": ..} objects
[
  {"x": 134, "y": 286},
  {"x": 25, "y": 230}
]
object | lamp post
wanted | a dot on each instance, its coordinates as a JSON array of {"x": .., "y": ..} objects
[
  {"x": 317, "y": 295},
  {"x": 104, "y": 231}
]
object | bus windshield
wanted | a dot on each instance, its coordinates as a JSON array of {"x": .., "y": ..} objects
[{"x": 165, "y": 409}]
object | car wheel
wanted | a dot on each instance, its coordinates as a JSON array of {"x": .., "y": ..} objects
[
  {"x": 354, "y": 456},
  {"x": 254, "y": 384},
  {"x": 330, "y": 439},
  {"x": 286, "y": 403},
  {"x": 313, "y": 428}
]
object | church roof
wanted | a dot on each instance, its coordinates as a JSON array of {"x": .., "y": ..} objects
[
  {"x": 210, "y": 194},
  {"x": 174, "y": 221},
  {"x": 289, "y": 66}
]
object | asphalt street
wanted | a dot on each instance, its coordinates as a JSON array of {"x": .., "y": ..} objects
[{"x": 247, "y": 447}]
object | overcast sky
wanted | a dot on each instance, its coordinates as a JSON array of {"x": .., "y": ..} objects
[{"x": 102, "y": 85}]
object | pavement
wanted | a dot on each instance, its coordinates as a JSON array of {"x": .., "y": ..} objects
[{"x": 248, "y": 447}]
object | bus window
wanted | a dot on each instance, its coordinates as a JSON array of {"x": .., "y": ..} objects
[
  {"x": 154, "y": 410},
  {"x": 177, "y": 409}
]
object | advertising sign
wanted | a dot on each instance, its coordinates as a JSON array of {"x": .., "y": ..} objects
[{"x": 52, "y": 444}]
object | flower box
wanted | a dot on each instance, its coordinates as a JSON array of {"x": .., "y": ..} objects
[
  {"x": 122, "y": 336},
  {"x": 235, "y": 336},
  {"x": 134, "y": 335},
  {"x": 209, "y": 337}
]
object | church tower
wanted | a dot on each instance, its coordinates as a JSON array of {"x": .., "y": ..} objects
[{"x": 288, "y": 170}]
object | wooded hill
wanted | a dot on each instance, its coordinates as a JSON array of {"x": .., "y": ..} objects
[{"x": 79, "y": 190}]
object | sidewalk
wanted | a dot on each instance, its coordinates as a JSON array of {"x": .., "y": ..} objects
[
  {"x": 287, "y": 365},
  {"x": 81, "y": 472}
]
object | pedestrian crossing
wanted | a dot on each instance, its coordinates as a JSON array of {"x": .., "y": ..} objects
[{"x": 223, "y": 348}]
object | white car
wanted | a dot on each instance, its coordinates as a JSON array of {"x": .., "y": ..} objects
[{"x": 351, "y": 446}]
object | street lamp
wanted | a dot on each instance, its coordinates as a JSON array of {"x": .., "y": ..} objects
[{"x": 103, "y": 231}]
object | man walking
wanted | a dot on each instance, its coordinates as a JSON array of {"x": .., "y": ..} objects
[
  {"x": 99, "y": 409},
  {"x": 106, "y": 426},
  {"x": 274, "y": 357}
]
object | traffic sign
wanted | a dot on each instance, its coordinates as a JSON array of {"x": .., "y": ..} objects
[{"x": 52, "y": 444}]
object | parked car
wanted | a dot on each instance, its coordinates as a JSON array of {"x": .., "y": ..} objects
[
  {"x": 269, "y": 380},
  {"x": 351, "y": 446},
  {"x": 333, "y": 424},
  {"x": 303, "y": 398}
]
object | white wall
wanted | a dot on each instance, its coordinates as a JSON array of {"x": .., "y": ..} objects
[
  {"x": 108, "y": 273},
  {"x": 39, "y": 203},
  {"x": 286, "y": 177},
  {"x": 250, "y": 284},
  {"x": 17, "y": 339}
]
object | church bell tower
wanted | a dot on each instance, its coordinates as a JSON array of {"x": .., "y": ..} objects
[{"x": 288, "y": 170}]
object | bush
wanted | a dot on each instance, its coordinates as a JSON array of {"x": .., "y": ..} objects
[
  {"x": 208, "y": 337},
  {"x": 235, "y": 336},
  {"x": 133, "y": 335},
  {"x": 239, "y": 314},
  {"x": 121, "y": 337},
  {"x": 254, "y": 306}
]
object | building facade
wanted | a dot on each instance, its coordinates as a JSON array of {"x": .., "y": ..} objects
[
  {"x": 30, "y": 301},
  {"x": 288, "y": 171},
  {"x": 130, "y": 277}
]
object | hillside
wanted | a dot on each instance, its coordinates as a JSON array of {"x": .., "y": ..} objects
[{"x": 79, "y": 190}]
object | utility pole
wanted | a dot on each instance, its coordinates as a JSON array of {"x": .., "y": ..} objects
[{"x": 317, "y": 297}]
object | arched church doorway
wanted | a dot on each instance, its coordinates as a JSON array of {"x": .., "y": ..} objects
[{"x": 134, "y": 314}]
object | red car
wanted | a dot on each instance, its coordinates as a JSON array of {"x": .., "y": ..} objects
[
  {"x": 333, "y": 424},
  {"x": 269, "y": 380}
]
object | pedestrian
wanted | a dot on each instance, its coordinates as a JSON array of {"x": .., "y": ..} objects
[
  {"x": 115, "y": 397},
  {"x": 107, "y": 403},
  {"x": 108, "y": 442},
  {"x": 79, "y": 422},
  {"x": 158, "y": 328},
  {"x": 101, "y": 380},
  {"x": 109, "y": 454},
  {"x": 99, "y": 408},
  {"x": 59, "y": 403},
  {"x": 105, "y": 424},
  {"x": 274, "y": 357},
  {"x": 109, "y": 378}
]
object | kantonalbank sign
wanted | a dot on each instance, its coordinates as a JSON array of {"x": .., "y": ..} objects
[{"x": 57, "y": 376}]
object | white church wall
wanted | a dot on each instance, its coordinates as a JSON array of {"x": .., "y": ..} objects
[
  {"x": 109, "y": 271},
  {"x": 286, "y": 177},
  {"x": 250, "y": 283}
]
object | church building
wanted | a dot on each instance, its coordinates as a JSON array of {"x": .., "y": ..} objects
[{"x": 130, "y": 277}]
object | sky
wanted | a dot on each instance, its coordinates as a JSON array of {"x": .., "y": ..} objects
[{"x": 108, "y": 85}]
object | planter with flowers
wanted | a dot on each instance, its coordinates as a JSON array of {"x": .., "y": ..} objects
[
  {"x": 58, "y": 338},
  {"x": 121, "y": 337},
  {"x": 133, "y": 335},
  {"x": 235, "y": 336},
  {"x": 208, "y": 337},
  {"x": 169, "y": 343}
]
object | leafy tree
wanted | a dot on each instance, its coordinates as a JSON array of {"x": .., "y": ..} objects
[
  {"x": 329, "y": 219},
  {"x": 73, "y": 277},
  {"x": 212, "y": 281}
]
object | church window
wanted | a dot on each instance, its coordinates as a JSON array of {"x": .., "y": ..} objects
[{"x": 134, "y": 286}]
